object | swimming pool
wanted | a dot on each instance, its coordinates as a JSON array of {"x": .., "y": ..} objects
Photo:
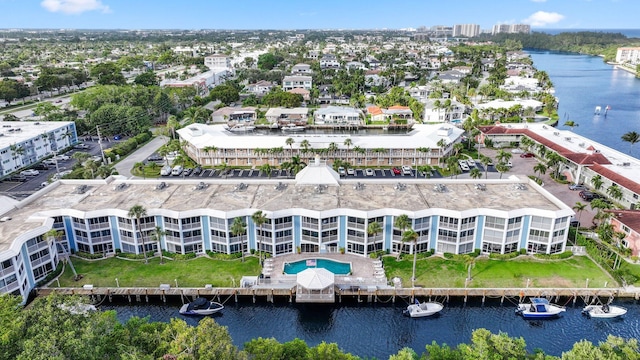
[{"x": 336, "y": 267}]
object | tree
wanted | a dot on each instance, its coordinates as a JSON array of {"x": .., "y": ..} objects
[
  {"x": 503, "y": 156},
  {"x": 615, "y": 192},
  {"x": 53, "y": 236},
  {"x": 540, "y": 169},
  {"x": 469, "y": 261},
  {"x": 147, "y": 78},
  {"x": 402, "y": 222},
  {"x": 107, "y": 74},
  {"x": 632, "y": 138},
  {"x": 579, "y": 208},
  {"x": 239, "y": 228},
  {"x": 374, "y": 228},
  {"x": 410, "y": 236},
  {"x": 156, "y": 234},
  {"x": 137, "y": 212},
  {"x": 290, "y": 143},
  {"x": 597, "y": 182},
  {"x": 502, "y": 168},
  {"x": 475, "y": 173},
  {"x": 554, "y": 160},
  {"x": 259, "y": 219},
  {"x": 266, "y": 169},
  {"x": 268, "y": 61}
]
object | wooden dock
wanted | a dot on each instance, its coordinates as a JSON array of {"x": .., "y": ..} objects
[{"x": 372, "y": 294}]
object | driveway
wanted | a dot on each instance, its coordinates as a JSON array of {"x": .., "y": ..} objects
[{"x": 125, "y": 165}]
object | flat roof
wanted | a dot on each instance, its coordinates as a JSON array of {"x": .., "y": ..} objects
[
  {"x": 421, "y": 135},
  {"x": 9, "y": 134},
  {"x": 181, "y": 198}
]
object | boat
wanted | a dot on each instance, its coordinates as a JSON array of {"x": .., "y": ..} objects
[
  {"x": 201, "y": 306},
  {"x": 597, "y": 110},
  {"x": 241, "y": 128},
  {"x": 293, "y": 128},
  {"x": 604, "y": 311},
  {"x": 423, "y": 309},
  {"x": 539, "y": 308},
  {"x": 274, "y": 125}
]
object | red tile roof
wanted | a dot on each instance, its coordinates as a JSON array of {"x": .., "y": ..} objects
[
  {"x": 616, "y": 178},
  {"x": 630, "y": 218},
  {"x": 374, "y": 110},
  {"x": 398, "y": 107}
]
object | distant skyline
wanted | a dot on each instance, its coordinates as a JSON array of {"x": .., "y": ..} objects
[{"x": 327, "y": 14}]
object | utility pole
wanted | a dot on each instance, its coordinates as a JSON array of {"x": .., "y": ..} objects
[{"x": 104, "y": 160}]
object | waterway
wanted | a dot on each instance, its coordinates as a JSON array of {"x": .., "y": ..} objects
[
  {"x": 378, "y": 330},
  {"x": 583, "y": 82}
]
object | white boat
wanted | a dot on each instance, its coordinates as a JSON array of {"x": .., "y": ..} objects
[
  {"x": 604, "y": 311},
  {"x": 274, "y": 125},
  {"x": 419, "y": 309},
  {"x": 293, "y": 128},
  {"x": 539, "y": 308},
  {"x": 201, "y": 306},
  {"x": 241, "y": 128},
  {"x": 597, "y": 110}
]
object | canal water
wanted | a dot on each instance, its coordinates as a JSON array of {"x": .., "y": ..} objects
[
  {"x": 378, "y": 330},
  {"x": 583, "y": 82}
]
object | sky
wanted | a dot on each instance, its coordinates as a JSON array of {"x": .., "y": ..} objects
[{"x": 321, "y": 14}]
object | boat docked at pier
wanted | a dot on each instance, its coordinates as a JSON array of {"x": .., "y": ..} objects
[
  {"x": 423, "y": 309},
  {"x": 539, "y": 308},
  {"x": 201, "y": 306},
  {"x": 292, "y": 128},
  {"x": 604, "y": 311},
  {"x": 241, "y": 128}
]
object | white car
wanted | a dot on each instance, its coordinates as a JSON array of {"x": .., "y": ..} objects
[
  {"x": 61, "y": 157},
  {"x": 406, "y": 170},
  {"x": 471, "y": 162},
  {"x": 342, "y": 171},
  {"x": 30, "y": 172},
  {"x": 351, "y": 171},
  {"x": 369, "y": 172},
  {"x": 517, "y": 151},
  {"x": 463, "y": 165},
  {"x": 165, "y": 171}
]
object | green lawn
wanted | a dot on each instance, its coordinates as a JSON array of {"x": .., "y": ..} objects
[
  {"x": 189, "y": 273},
  {"x": 439, "y": 272}
]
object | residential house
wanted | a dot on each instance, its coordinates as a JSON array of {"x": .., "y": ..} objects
[
  {"x": 234, "y": 115},
  {"x": 628, "y": 223},
  {"x": 297, "y": 81},
  {"x": 283, "y": 116},
  {"x": 306, "y": 94},
  {"x": 443, "y": 110},
  {"x": 260, "y": 88},
  {"x": 329, "y": 61},
  {"x": 355, "y": 65},
  {"x": 301, "y": 69},
  {"x": 338, "y": 116}
]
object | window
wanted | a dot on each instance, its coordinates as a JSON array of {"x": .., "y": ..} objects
[
  {"x": 491, "y": 248},
  {"x": 217, "y": 223},
  {"x": 190, "y": 220},
  {"x": 514, "y": 223},
  {"x": 284, "y": 248},
  {"x": 218, "y": 248},
  {"x": 538, "y": 235},
  {"x": 422, "y": 223},
  {"x": 494, "y": 236},
  {"x": 465, "y": 248},
  {"x": 448, "y": 222},
  {"x": 537, "y": 248},
  {"x": 540, "y": 222},
  {"x": 448, "y": 235},
  {"x": 494, "y": 222}
]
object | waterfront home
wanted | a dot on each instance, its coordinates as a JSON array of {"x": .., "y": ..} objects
[
  {"x": 443, "y": 110},
  {"x": 234, "y": 115},
  {"x": 393, "y": 114},
  {"x": 306, "y": 94},
  {"x": 338, "y": 116},
  {"x": 284, "y": 116},
  {"x": 627, "y": 222}
]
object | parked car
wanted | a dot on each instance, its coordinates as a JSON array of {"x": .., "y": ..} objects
[
  {"x": 577, "y": 187},
  {"x": 517, "y": 151},
  {"x": 50, "y": 162},
  {"x": 155, "y": 157},
  {"x": 527, "y": 155},
  {"x": 351, "y": 171},
  {"x": 187, "y": 171},
  {"x": 117, "y": 137},
  {"x": 41, "y": 166},
  {"x": 471, "y": 163},
  {"x": 197, "y": 170},
  {"x": 177, "y": 170},
  {"x": 406, "y": 170},
  {"x": 165, "y": 171},
  {"x": 587, "y": 195},
  {"x": 368, "y": 172},
  {"x": 396, "y": 171},
  {"x": 82, "y": 146},
  {"x": 342, "y": 171},
  {"x": 61, "y": 157},
  {"x": 463, "y": 165},
  {"x": 18, "y": 177},
  {"x": 30, "y": 172}
]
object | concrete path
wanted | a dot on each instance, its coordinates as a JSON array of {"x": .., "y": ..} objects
[{"x": 124, "y": 167}]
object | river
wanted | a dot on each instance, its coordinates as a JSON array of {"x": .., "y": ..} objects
[
  {"x": 583, "y": 82},
  {"x": 378, "y": 330}
]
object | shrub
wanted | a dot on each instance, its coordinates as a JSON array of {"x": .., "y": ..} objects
[
  {"x": 508, "y": 256},
  {"x": 562, "y": 255},
  {"x": 220, "y": 256},
  {"x": 51, "y": 276},
  {"x": 448, "y": 255},
  {"x": 185, "y": 256},
  {"x": 86, "y": 255}
]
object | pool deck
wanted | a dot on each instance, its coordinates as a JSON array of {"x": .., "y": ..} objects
[{"x": 364, "y": 271}]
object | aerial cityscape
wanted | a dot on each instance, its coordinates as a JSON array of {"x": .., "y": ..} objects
[{"x": 325, "y": 168}]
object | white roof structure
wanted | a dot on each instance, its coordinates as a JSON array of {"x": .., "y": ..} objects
[
  {"x": 315, "y": 278},
  {"x": 317, "y": 173},
  {"x": 502, "y": 104}
]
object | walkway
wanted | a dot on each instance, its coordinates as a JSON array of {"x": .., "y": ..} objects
[{"x": 125, "y": 165}]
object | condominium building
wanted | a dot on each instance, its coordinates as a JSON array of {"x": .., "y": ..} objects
[
  {"x": 26, "y": 142},
  {"x": 422, "y": 145},
  {"x": 511, "y": 28},
  {"x": 468, "y": 30},
  {"x": 630, "y": 55},
  {"x": 316, "y": 212},
  {"x": 217, "y": 61}
]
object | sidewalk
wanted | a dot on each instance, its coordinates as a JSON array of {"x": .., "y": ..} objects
[{"x": 125, "y": 165}]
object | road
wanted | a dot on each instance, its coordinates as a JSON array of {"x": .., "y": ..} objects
[{"x": 124, "y": 167}]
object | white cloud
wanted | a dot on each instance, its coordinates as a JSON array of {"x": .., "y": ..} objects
[
  {"x": 74, "y": 6},
  {"x": 543, "y": 18}
]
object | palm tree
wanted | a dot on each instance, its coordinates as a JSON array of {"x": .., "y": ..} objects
[
  {"x": 599, "y": 205},
  {"x": 485, "y": 161},
  {"x": 469, "y": 261},
  {"x": 290, "y": 143},
  {"x": 597, "y": 182},
  {"x": 267, "y": 169},
  {"x": 540, "y": 169},
  {"x": 53, "y": 236},
  {"x": 475, "y": 173},
  {"x": 156, "y": 234},
  {"x": 503, "y": 156},
  {"x": 140, "y": 167},
  {"x": 542, "y": 150},
  {"x": 402, "y": 222},
  {"x": 305, "y": 145},
  {"x": 502, "y": 168},
  {"x": 571, "y": 124},
  {"x": 554, "y": 160},
  {"x": 347, "y": 142},
  {"x": 138, "y": 211},
  {"x": 333, "y": 147},
  {"x": 632, "y": 138},
  {"x": 579, "y": 208},
  {"x": 296, "y": 164},
  {"x": 374, "y": 228},
  {"x": 615, "y": 192},
  {"x": 410, "y": 236},
  {"x": 239, "y": 228},
  {"x": 259, "y": 218}
]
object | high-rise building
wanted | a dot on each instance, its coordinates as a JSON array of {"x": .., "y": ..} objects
[
  {"x": 468, "y": 30},
  {"x": 511, "y": 28}
]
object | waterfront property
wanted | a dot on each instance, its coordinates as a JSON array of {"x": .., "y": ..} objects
[
  {"x": 24, "y": 143},
  {"x": 582, "y": 159},
  {"x": 211, "y": 145},
  {"x": 317, "y": 212}
]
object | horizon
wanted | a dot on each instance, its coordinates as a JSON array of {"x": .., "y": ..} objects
[{"x": 541, "y": 15}]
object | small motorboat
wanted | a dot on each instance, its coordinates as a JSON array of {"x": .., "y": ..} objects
[
  {"x": 292, "y": 128},
  {"x": 241, "y": 128},
  {"x": 201, "y": 306},
  {"x": 539, "y": 308},
  {"x": 423, "y": 309},
  {"x": 604, "y": 311}
]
